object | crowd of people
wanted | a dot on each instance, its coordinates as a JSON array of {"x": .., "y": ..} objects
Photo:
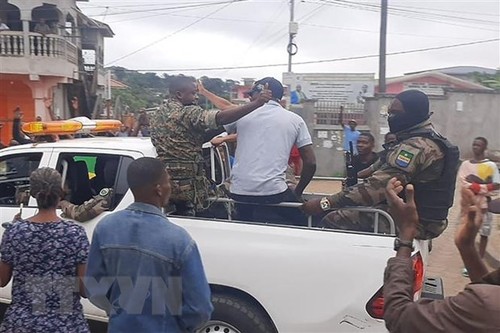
[
  {"x": 139, "y": 127},
  {"x": 417, "y": 164}
]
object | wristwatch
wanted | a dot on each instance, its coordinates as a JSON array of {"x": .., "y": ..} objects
[
  {"x": 325, "y": 204},
  {"x": 399, "y": 243}
]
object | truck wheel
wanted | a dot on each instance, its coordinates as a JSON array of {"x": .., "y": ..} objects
[{"x": 232, "y": 315}]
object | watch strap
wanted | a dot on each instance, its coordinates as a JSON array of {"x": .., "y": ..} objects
[{"x": 398, "y": 243}]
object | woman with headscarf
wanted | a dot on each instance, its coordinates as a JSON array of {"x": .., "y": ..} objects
[{"x": 45, "y": 256}]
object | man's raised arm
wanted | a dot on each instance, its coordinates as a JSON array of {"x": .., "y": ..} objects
[
  {"x": 219, "y": 102},
  {"x": 341, "y": 117},
  {"x": 230, "y": 115}
]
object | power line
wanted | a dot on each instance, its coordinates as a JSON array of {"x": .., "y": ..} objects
[
  {"x": 173, "y": 33},
  {"x": 318, "y": 61},
  {"x": 402, "y": 10},
  {"x": 376, "y": 31},
  {"x": 448, "y": 11},
  {"x": 418, "y": 16},
  {"x": 283, "y": 33},
  {"x": 170, "y": 8},
  {"x": 264, "y": 30}
]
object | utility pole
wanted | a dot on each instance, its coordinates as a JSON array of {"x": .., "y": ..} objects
[
  {"x": 382, "y": 49},
  {"x": 293, "y": 28},
  {"x": 108, "y": 97}
]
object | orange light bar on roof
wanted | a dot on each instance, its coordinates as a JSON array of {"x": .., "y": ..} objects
[
  {"x": 71, "y": 126},
  {"x": 107, "y": 125},
  {"x": 52, "y": 127}
]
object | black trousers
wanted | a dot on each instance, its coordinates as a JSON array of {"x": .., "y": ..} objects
[{"x": 253, "y": 208}]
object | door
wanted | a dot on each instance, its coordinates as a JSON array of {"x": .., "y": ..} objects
[{"x": 15, "y": 170}]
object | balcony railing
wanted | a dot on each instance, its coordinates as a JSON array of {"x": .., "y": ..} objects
[{"x": 12, "y": 44}]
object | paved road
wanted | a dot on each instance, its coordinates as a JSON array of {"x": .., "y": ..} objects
[{"x": 445, "y": 260}]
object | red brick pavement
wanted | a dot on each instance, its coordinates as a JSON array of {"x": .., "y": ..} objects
[{"x": 445, "y": 261}]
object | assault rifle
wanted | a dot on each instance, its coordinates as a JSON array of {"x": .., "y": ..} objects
[{"x": 351, "y": 175}]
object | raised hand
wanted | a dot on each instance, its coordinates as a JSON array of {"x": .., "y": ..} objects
[
  {"x": 471, "y": 219},
  {"x": 201, "y": 87},
  {"x": 404, "y": 213},
  {"x": 265, "y": 95}
]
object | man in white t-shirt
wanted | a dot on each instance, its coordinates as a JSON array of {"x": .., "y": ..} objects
[
  {"x": 481, "y": 176},
  {"x": 265, "y": 139}
]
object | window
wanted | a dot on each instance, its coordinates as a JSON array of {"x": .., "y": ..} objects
[
  {"x": 15, "y": 171},
  {"x": 217, "y": 164},
  {"x": 85, "y": 175}
]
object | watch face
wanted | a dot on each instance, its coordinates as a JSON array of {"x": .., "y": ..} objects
[{"x": 325, "y": 204}]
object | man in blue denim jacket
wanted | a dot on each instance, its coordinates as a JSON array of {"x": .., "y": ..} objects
[{"x": 143, "y": 270}]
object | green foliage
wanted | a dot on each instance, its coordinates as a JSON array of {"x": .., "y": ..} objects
[
  {"x": 130, "y": 98},
  {"x": 148, "y": 89},
  {"x": 488, "y": 80}
]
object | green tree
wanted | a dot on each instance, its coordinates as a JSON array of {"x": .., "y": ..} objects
[
  {"x": 488, "y": 80},
  {"x": 149, "y": 89}
]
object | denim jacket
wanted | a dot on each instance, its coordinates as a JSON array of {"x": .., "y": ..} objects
[{"x": 146, "y": 273}]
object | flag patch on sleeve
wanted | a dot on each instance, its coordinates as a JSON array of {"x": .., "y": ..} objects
[{"x": 404, "y": 158}]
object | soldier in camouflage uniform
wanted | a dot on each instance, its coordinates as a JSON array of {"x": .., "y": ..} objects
[
  {"x": 421, "y": 157},
  {"x": 81, "y": 213},
  {"x": 178, "y": 131},
  {"x": 89, "y": 209}
]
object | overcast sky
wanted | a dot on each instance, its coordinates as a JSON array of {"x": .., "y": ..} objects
[{"x": 191, "y": 34}]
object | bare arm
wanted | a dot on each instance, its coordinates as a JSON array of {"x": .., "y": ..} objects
[
  {"x": 474, "y": 183},
  {"x": 219, "y": 102},
  {"x": 365, "y": 173},
  {"x": 471, "y": 219},
  {"x": 341, "y": 117},
  {"x": 5, "y": 273},
  {"x": 218, "y": 140},
  {"x": 80, "y": 273},
  {"x": 308, "y": 169},
  {"x": 230, "y": 115}
]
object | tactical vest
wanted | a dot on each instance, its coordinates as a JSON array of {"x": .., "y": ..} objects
[{"x": 434, "y": 199}]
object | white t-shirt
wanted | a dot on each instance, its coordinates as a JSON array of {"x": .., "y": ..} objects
[{"x": 265, "y": 139}]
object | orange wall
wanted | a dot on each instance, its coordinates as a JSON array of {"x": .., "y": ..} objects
[{"x": 14, "y": 93}]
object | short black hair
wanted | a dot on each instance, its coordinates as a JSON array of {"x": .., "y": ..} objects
[
  {"x": 370, "y": 137},
  {"x": 179, "y": 82},
  {"x": 144, "y": 171},
  {"x": 482, "y": 138}
]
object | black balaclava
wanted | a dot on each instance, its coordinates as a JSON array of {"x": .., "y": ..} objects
[{"x": 416, "y": 110}]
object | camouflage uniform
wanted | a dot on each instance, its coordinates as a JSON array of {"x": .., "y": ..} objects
[
  {"x": 415, "y": 160},
  {"x": 89, "y": 209},
  {"x": 178, "y": 133}
]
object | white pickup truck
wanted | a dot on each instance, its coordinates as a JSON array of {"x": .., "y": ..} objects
[{"x": 264, "y": 277}]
